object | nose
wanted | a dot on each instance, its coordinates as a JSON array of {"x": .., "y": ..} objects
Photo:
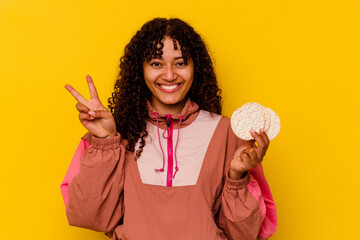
[{"x": 169, "y": 73}]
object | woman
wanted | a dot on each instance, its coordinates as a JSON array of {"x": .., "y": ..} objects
[{"x": 163, "y": 163}]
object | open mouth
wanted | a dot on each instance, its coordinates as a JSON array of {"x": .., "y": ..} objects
[{"x": 169, "y": 88}]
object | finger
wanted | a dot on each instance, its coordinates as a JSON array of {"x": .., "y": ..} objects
[
  {"x": 259, "y": 140},
  {"x": 92, "y": 88},
  {"x": 85, "y": 116},
  {"x": 82, "y": 108},
  {"x": 253, "y": 156},
  {"x": 266, "y": 141},
  {"x": 265, "y": 137},
  {"x": 249, "y": 143},
  {"x": 246, "y": 161},
  {"x": 240, "y": 150},
  {"x": 100, "y": 114},
  {"x": 75, "y": 94},
  {"x": 261, "y": 149}
]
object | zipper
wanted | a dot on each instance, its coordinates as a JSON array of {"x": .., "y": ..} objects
[{"x": 169, "y": 129}]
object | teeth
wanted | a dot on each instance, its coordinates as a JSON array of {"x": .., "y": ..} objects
[{"x": 168, "y": 87}]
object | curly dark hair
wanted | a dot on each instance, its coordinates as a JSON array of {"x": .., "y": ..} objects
[{"x": 128, "y": 102}]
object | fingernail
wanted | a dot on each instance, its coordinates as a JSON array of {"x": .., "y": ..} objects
[
  {"x": 91, "y": 113},
  {"x": 261, "y": 130},
  {"x": 252, "y": 131}
]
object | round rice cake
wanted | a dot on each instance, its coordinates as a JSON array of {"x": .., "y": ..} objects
[
  {"x": 249, "y": 116},
  {"x": 254, "y": 116},
  {"x": 267, "y": 118},
  {"x": 274, "y": 127}
]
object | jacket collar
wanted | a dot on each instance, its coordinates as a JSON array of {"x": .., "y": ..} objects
[{"x": 189, "y": 113}]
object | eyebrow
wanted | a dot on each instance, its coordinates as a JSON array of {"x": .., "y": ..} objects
[{"x": 176, "y": 58}]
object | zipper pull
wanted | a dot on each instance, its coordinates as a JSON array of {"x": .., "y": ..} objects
[{"x": 168, "y": 120}]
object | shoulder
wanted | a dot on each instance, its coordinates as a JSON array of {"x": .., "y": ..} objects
[
  {"x": 221, "y": 125},
  {"x": 223, "y": 129},
  {"x": 206, "y": 119},
  {"x": 206, "y": 115},
  {"x": 222, "y": 122}
]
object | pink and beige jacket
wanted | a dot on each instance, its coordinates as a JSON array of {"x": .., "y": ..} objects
[{"x": 178, "y": 189}]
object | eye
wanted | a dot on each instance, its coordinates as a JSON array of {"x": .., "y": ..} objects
[
  {"x": 182, "y": 63},
  {"x": 155, "y": 64}
]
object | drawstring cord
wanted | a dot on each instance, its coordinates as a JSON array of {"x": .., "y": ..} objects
[
  {"x": 162, "y": 151},
  {"x": 177, "y": 140},
  {"x": 168, "y": 117}
]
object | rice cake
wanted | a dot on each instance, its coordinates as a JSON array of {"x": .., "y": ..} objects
[
  {"x": 274, "y": 128},
  {"x": 254, "y": 116},
  {"x": 245, "y": 118}
]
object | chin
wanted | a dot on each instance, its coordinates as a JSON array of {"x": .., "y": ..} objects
[{"x": 171, "y": 101}]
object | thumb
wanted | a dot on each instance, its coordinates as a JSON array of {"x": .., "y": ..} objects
[
  {"x": 100, "y": 114},
  {"x": 240, "y": 150}
]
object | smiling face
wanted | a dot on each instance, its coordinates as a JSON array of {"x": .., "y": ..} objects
[{"x": 169, "y": 79}]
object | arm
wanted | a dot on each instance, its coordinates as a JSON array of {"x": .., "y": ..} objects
[
  {"x": 93, "y": 187},
  {"x": 247, "y": 209},
  {"x": 96, "y": 193},
  {"x": 266, "y": 203},
  {"x": 73, "y": 170},
  {"x": 240, "y": 216}
]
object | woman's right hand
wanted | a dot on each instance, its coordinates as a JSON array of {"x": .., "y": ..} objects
[{"x": 92, "y": 114}]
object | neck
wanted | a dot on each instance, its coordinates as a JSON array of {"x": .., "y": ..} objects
[{"x": 172, "y": 109}]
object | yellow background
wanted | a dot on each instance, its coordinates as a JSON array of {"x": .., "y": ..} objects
[{"x": 300, "y": 58}]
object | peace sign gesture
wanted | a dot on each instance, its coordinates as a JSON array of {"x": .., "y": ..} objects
[{"x": 92, "y": 114}]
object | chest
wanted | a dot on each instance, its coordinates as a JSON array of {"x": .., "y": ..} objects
[{"x": 179, "y": 152}]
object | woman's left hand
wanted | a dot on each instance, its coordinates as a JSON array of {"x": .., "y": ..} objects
[{"x": 248, "y": 155}]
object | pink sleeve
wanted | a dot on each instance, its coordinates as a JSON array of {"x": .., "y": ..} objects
[
  {"x": 73, "y": 170},
  {"x": 260, "y": 189}
]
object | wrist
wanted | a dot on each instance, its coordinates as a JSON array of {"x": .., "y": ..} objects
[
  {"x": 111, "y": 135},
  {"x": 234, "y": 175},
  {"x": 106, "y": 142}
]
